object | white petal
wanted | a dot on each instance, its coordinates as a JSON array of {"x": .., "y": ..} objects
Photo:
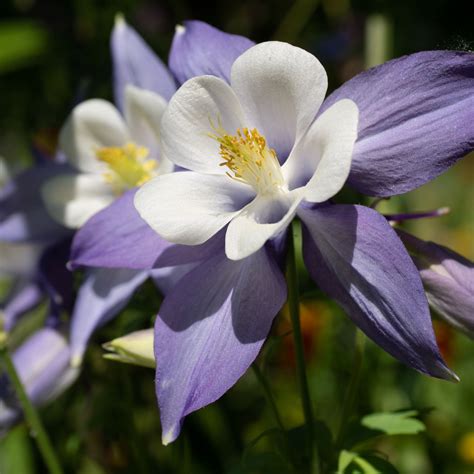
[
  {"x": 73, "y": 199},
  {"x": 189, "y": 208},
  {"x": 143, "y": 112},
  {"x": 92, "y": 125},
  {"x": 188, "y": 120},
  {"x": 324, "y": 154},
  {"x": 262, "y": 219},
  {"x": 281, "y": 88}
]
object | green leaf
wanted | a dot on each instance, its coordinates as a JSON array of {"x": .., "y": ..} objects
[
  {"x": 399, "y": 423},
  {"x": 16, "y": 453},
  {"x": 20, "y": 43},
  {"x": 345, "y": 459},
  {"x": 353, "y": 463},
  {"x": 378, "y": 464}
]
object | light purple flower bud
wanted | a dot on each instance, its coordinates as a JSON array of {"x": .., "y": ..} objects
[
  {"x": 448, "y": 279},
  {"x": 43, "y": 364}
]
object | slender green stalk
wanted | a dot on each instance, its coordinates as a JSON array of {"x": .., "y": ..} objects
[
  {"x": 353, "y": 387},
  {"x": 295, "y": 20},
  {"x": 293, "y": 303},
  {"x": 268, "y": 394},
  {"x": 32, "y": 418}
]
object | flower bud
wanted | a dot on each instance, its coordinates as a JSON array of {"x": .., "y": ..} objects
[
  {"x": 448, "y": 279},
  {"x": 134, "y": 348}
]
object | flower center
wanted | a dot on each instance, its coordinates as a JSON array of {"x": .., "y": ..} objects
[
  {"x": 249, "y": 159},
  {"x": 129, "y": 166}
]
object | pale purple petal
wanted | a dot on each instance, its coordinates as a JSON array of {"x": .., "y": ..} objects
[
  {"x": 23, "y": 217},
  {"x": 358, "y": 260},
  {"x": 416, "y": 118},
  {"x": 118, "y": 237},
  {"x": 24, "y": 298},
  {"x": 448, "y": 279},
  {"x": 210, "y": 329},
  {"x": 165, "y": 278},
  {"x": 451, "y": 301},
  {"x": 42, "y": 362},
  {"x": 101, "y": 297},
  {"x": 135, "y": 63},
  {"x": 54, "y": 276},
  {"x": 199, "y": 49}
]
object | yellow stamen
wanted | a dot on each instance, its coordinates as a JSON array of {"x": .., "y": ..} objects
[
  {"x": 129, "y": 166},
  {"x": 249, "y": 159}
]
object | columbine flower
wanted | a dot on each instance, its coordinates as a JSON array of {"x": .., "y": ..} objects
[
  {"x": 42, "y": 362},
  {"x": 254, "y": 149},
  {"x": 111, "y": 154},
  {"x": 257, "y": 158},
  {"x": 212, "y": 324},
  {"x": 448, "y": 279}
]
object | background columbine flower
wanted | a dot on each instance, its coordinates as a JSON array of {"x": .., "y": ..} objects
[
  {"x": 113, "y": 150},
  {"x": 350, "y": 251},
  {"x": 111, "y": 154}
]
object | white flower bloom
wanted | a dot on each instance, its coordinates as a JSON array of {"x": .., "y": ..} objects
[
  {"x": 254, "y": 151},
  {"x": 110, "y": 153}
]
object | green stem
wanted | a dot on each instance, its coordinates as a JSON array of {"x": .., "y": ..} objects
[
  {"x": 37, "y": 430},
  {"x": 294, "y": 309},
  {"x": 295, "y": 20},
  {"x": 268, "y": 395},
  {"x": 352, "y": 389}
]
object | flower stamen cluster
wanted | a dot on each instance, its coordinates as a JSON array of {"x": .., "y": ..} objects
[
  {"x": 129, "y": 166},
  {"x": 250, "y": 160}
]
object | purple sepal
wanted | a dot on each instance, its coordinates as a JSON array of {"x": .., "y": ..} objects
[
  {"x": 416, "y": 119},
  {"x": 42, "y": 363},
  {"x": 23, "y": 217},
  {"x": 210, "y": 328},
  {"x": 448, "y": 279},
  {"x": 165, "y": 278},
  {"x": 117, "y": 237},
  {"x": 136, "y": 64},
  {"x": 199, "y": 49},
  {"x": 56, "y": 279},
  {"x": 23, "y": 298},
  {"x": 354, "y": 256},
  {"x": 102, "y": 295}
]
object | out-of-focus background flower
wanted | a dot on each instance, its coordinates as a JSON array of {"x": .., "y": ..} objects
[{"x": 55, "y": 53}]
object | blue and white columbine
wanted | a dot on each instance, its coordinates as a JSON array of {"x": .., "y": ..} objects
[
  {"x": 257, "y": 157},
  {"x": 258, "y": 151}
]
